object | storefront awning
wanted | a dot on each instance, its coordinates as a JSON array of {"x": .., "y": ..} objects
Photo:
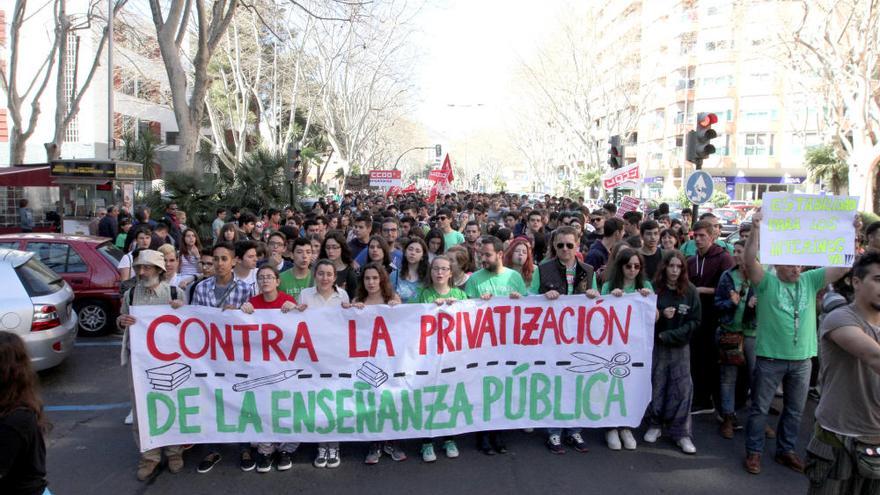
[{"x": 26, "y": 177}]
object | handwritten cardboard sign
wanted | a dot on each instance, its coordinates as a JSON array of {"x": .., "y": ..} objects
[
  {"x": 808, "y": 229},
  {"x": 410, "y": 371}
]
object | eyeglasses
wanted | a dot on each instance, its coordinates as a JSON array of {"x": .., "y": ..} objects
[
  {"x": 442, "y": 217},
  {"x": 632, "y": 267},
  {"x": 564, "y": 245},
  {"x": 394, "y": 229},
  {"x": 594, "y": 220},
  {"x": 440, "y": 268},
  {"x": 328, "y": 247},
  {"x": 276, "y": 244},
  {"x": 264, "y": 278}
]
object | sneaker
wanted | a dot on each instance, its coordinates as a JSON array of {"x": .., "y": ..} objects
[
  {"x": 247, "y": 462},
  {"x": 130, "y": 418},
  {"x": 208, "y": 462},
  {"x": 626, "y": 436},
  {"x": 175, "y": 463},
  {"x": 283, "y": 463},
  {"x": 612, "y": 437},
  {"x": 577, "y": 441},
  {"x": 726, "y": 429},
  {"x": 652, "y": 434},
  {"x": 737, "y": 426},
  {"x": 333, "y": 460},
  {"x": 321, "y": 458},
  {"x": 686, "y": 445},
  {"x": 146, "y": 468},
  {"x": 264, "y": 463},
  {"x": 428, "y": 454},
  {"x": 554, "y": 443},
  {"x": 394, "y": 451},
  {"x": 451, "y": 449},
  {"x": 373, "y": 454}
]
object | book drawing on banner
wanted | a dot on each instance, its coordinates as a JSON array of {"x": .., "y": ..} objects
[
  {"x": 372, "y": 374},
  {"x": 168, "y": 377}
]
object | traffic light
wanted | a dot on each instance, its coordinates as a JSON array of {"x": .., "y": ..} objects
[
  {"x": 615, "y": 152},
  {"x": 437, "y": 151},
  {"x": 699, "y": 144},
  {"x": 294, "y": 162}
]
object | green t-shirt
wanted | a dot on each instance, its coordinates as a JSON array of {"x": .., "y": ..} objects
[
  {"x": 535, "y": 284},
  {"x": 429, "y": 295},
  {"x": 737, "y": 326},
  {"x": 606, "y": 288},
  {"x": 501, "y": 284},
  {"x": 453, "y": 238},
  {"x": 777, "y": 337},
  {"x": 689, "y": 248},
  {"x": 291, "y": 285}
]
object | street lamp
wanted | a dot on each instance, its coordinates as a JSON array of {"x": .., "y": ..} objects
[{"x": 411, "y": 149}]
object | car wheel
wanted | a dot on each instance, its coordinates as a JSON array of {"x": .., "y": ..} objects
[{"x": 94, "y": 317}]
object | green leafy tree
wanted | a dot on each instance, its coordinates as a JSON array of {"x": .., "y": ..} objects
[{"x": 824, "y": 164}]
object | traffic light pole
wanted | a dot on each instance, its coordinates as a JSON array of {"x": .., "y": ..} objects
[{"x": 698, "y": 165}]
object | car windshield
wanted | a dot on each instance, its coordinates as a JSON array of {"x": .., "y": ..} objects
[
  {"x": 38, "y": 279},
  {"x": 111, "y": 252}
]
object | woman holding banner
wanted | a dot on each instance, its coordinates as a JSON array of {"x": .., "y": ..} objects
[
  {"x": 680, "y": 314},
  {"x": 375, "y": 288},
  {"x": 325, "y": 294},
  {"x": 271, "y": 298},
  {"x": 439, "y": 292},
  {"x": 625, "y": 276},
  {"x": 413, "y": 270}
]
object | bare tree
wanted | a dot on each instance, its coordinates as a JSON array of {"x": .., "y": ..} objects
[
  {"x": 188, "y": 93},
  {"x": 67, "y": 100},
  {"x": 21, "y": 94},
  {"x": 834, "y": 51}
]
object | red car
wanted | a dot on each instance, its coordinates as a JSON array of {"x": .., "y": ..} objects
[{"x": 88, "y": 264}]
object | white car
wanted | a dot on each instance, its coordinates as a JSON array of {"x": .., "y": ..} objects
[{"x": 37, "y": 304}]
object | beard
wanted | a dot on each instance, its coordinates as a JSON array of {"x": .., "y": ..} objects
[{"x": 148, "y": 281}]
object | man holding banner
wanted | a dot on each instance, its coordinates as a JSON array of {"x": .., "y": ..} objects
[
  {"x": 149, "y": 266},
  {"x": 786, "y": 337}
]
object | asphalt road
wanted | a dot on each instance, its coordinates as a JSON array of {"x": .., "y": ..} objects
[{"x": 91, "y": 451}]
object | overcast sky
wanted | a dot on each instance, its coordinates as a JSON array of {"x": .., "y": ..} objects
[{"x": 470, "y": 49}]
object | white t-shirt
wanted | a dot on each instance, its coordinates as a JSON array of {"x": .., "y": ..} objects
[
  {"x": 125, "y": 262},
  {"x": 310, "y": 297},
  {"x": 250, "y": 281}
]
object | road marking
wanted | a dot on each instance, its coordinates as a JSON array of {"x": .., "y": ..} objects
[
  {"x": 90, "y": 407},
  {"x": 111, "y": 343}
]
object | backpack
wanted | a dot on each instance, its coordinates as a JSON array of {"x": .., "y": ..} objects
[{"x": 130, "y": 294}]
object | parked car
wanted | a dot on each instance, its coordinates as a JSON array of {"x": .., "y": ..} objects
[
  {"x": 37, "y": 304},
  {"x": 88, "y": 264},
  {"x": 729, "y": 219}
]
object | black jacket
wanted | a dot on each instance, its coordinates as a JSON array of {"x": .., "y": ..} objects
[
  {"x": 676, "y": 331},
  {"x": 552, "y": 274}
]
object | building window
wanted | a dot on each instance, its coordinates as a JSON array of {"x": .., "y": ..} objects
[
  {"x": 171, "y": 138},
  {"x": 71, "y": 134},
  {"x": 758, "y": 144}
]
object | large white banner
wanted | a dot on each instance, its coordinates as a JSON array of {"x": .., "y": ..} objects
[
  {"x": 415, "y": 370},
  {"x": 808, "y": 229}
]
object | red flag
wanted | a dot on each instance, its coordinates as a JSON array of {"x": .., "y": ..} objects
[
  {"x": 447, "y": 167},
  {"x": 433, "y": 196},
  {"x": 409, "y": 189}
]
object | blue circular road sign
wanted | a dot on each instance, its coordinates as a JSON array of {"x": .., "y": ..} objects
[{"x": 699, "y": 187}]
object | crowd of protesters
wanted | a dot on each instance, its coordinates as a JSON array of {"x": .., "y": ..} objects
[{"x": 730, "y": 333}]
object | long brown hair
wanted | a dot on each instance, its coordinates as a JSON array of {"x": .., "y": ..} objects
[
  {"x": 528, "y": 268},
  {"x": 681, "y": 285},
  {"x": 384, "y": 283},
  {"x": 18, "y": 381}
]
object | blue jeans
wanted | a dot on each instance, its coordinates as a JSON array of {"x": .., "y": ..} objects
[
  {"x": 795, "y": 378},
  {"x": 558, "y": 431},
  {"x": 729, "y": 373}
]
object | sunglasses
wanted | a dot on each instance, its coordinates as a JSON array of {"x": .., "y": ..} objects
[
  {"x": 632, "y": 267},
  {"x": 442, "y": 217},
  {"x": 594, "y": 220},
  {"x": 564, "y": 245}
]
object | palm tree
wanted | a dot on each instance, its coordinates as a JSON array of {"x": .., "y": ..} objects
[{"x": 823, "y": 164}]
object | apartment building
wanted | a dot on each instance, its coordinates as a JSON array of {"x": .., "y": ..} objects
[
  {"x": 141, "y": 99},
  {"x": 677, "y": 58}
]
